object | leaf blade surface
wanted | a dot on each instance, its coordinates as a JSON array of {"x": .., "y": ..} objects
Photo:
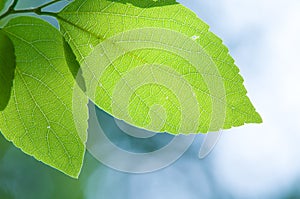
[
  {"x": 117, "y": 31},
  {"x": 39, "y": 117}
]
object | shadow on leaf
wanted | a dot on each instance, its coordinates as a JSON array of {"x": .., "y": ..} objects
[
  {"x": 7, "y": 69},
  {"x": 74, "y": 66}
]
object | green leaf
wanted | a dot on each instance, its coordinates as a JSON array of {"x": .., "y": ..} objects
[
  {"x": 158, "y": 68},
  {"x": 7, "y": 69},
  {"x": 39, "y": 117},
  {"x": 2, "y": 5}
]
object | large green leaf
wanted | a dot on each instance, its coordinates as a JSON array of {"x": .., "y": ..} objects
[
  {"x": 39, "y": 117},
  {"x": 156, "y": 65},
  {"x": 7, "y": 68}
]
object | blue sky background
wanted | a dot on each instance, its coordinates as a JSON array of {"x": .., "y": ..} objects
[
  {"x": 253, "y": 161},
  {"x": 259, "y": 160}
]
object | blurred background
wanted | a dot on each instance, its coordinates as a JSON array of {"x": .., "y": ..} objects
[{"x": 253, "y": 161}]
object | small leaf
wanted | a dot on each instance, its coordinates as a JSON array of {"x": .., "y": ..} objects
[
  {"x": 4, "y": 6},
  {"x": 7, "y": 69},
  {"x": 39, "y": 117},
  {"x": 156, "y": 65}
]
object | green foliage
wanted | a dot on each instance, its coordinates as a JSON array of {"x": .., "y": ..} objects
[
  {"x": 39, "y": 118},
  {"x": 154, "y": 64},
  {"x": 142, "y": 72},
  {"x": 2, "y": 5}
]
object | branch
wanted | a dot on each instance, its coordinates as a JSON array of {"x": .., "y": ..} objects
[{"x": 38, "y": 10}]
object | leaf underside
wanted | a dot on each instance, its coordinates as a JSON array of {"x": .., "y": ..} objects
[
  {"x": 39, "y": 117},
  {"x": 153, "y": 64},
  {"x": 158, "y": 68}
]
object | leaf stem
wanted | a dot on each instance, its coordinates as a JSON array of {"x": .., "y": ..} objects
[
  {"x": 48, "y": 4},
  {"x": 13, "y": 5},
  {"x": 10, "y": 9}
]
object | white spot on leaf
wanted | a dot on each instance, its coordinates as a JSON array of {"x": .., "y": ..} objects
[{"x": 195, "y": 37}]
